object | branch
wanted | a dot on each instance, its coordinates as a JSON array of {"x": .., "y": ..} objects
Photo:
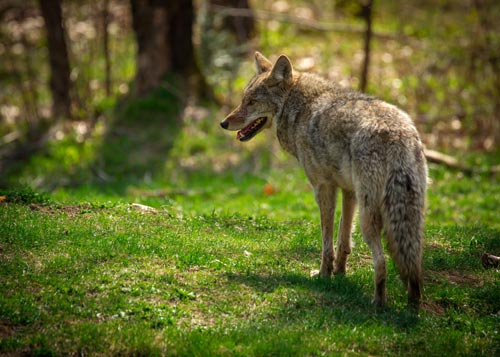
[{"x": 316, "y": 25}]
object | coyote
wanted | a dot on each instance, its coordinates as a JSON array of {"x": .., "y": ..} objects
[{"x": 344, "y": 139}]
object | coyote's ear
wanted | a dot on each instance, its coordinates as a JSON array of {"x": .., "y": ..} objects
[
  {"x": 282, "y": 70},
  {"x": 262, "y": 64}
]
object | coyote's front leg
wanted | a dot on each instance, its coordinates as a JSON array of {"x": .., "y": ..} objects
[{"x": 326, "y": 198}]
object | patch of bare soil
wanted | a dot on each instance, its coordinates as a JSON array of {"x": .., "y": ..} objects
[
  {"x": 71, "y": 210},
  {"x": 433, "y": 308},
  {"x": 456, "y": 278},
  {"x": 6, "y": 329}
]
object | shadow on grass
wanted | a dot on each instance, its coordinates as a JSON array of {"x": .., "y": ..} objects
[
  {"x": 460, "y": 247},
  {"x": 129, "y": 146},
  {"x": 319, "y": 301},
  {"x": 139, "y": 138}
]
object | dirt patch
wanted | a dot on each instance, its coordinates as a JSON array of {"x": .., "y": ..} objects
[
  {"x": 41, "y": 208},
  {"x": 433, "y": 307},
  {"x": 71, "y": 210},
  {"x": 456, "y": 278},
  {"x": 6, "y": 329}
]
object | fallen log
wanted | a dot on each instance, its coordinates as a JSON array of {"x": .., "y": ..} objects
[
  {"x": 447, "y": 160},
  {"x": 451, "y": 162}
]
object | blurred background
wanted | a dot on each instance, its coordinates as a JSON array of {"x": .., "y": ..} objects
[{"x": 114, "y": 96}]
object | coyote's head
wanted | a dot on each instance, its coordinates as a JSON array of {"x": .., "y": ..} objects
[{"x": 263, "y": 98}]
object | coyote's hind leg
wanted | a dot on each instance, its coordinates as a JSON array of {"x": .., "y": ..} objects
[
  {"x": 371, "y": 228},
  {"x": 344, "y": 233}
]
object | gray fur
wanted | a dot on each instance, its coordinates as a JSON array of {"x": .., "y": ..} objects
[{"x": 343, "y": 139}]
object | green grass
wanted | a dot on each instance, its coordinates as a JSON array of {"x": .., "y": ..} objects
[{"x": 223, "y": 268}]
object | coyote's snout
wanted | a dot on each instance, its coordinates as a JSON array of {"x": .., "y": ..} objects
[
  {"x": 247, "y": 125},
  {"x": 344, "y": 139}
]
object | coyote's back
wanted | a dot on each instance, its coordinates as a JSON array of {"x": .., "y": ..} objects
[{"x": 348, "y": 140}]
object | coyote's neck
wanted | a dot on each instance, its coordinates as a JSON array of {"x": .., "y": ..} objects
[{"x": 294, "y": 114}]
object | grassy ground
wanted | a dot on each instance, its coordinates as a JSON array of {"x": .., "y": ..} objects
[{"x": 221, "y": 266}]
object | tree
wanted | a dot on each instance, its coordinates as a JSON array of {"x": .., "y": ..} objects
[
  {"x": 105, "y": 46},
  {"x": 366, "y": 14},
  {"x": 243, "y": 27},
  {"x": 164, "y": 30},
  {"x": 58, "y": 57}
]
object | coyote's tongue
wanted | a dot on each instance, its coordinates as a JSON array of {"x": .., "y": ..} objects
[{"x": 250, "y": 130}]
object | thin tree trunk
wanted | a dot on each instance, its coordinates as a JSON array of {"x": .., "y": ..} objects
[
  {"x": 181, "y": 20},
  {"x": 31, "y": 72},
  {"x": 58, "y": 56},
  {"x": 183, "y": 59},
  {"x": 366, "y": 13},
  {"x": 105, "y": 44}
]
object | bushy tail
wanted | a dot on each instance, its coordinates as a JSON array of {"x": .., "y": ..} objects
[{"x": 404, "y": 202}]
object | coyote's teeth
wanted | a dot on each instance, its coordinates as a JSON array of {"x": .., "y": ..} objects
[
  {"x": 257, "y": 122},
  {"x": 251, "y": 129}
]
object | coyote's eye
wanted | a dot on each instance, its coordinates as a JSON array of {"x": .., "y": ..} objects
[{"x": 252, "y": 102}]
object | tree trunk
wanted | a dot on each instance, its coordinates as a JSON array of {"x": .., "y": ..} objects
[
  {"x": 105, "y": 47},
  {"x": 164, "y": 31},
  {"x": 181, "y": 21},
  {"x": 58, "y": 54},
  {"x": 151, "y": 26},
  {"x": 366, "y": 13}
]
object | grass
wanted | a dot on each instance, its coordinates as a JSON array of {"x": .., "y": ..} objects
[{"x": 220, "y": 267}]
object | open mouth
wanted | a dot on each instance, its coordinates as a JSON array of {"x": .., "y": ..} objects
[{"x": 251, "y": 130}]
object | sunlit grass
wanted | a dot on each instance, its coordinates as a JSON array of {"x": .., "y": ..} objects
[{"x": 223, "y": 267}]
